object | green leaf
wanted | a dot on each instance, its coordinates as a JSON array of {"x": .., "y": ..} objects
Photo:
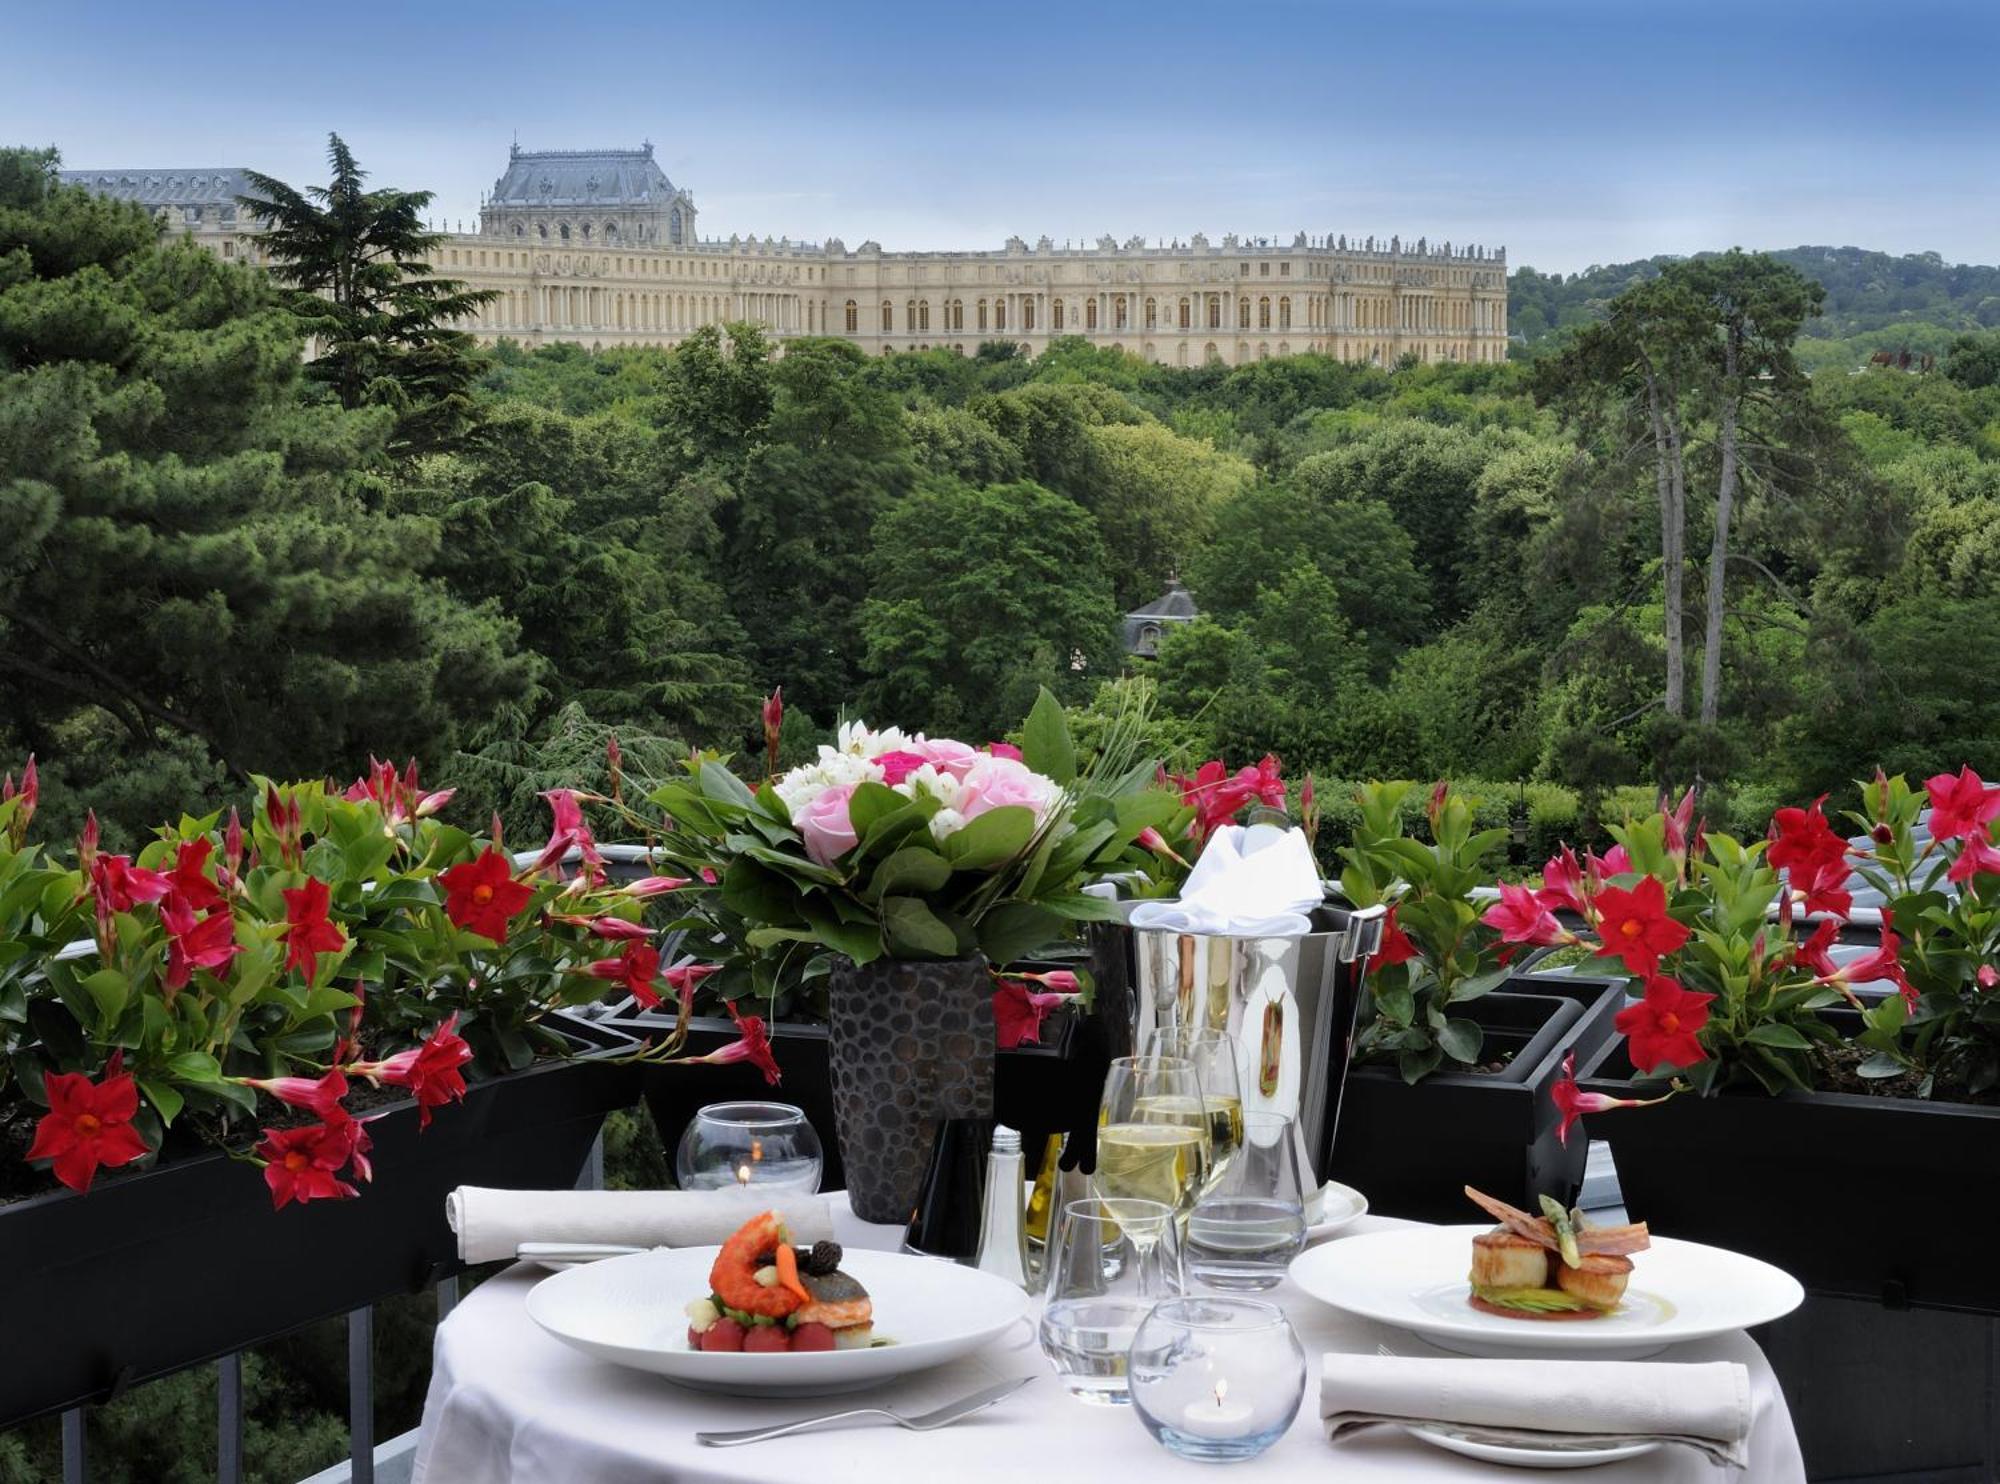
[
  {"x": 1880, "y": 1064},
  {"x": 870, "y": 802},
  {"x": 1472, "y": 987},
  {"x": 1017, "y": 930},
  {"x": 758, "y": 895},
  {"x": 913, "y": 931},
  {"x": 1394, "y": 1002},
  {"x": 166, "y": 1100},
  {"x": 993, "y": 839},
  {"x": 1781, "y": 1036},
  {"x": 859, "y": 940},
  {"x": 1461, "y": 1039},
  {"x": 111, "y": 990},
  {"x": 1045, "y": 743},
  {"x": 717, "y": 782},
  {"x": 194, "y": 1066},
  {"x": 911, "y": 869}
]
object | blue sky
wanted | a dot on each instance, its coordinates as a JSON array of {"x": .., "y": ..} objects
[{"x": 1572, "y": 133}]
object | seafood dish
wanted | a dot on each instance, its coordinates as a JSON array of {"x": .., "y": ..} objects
[
  {"x": 767, "y": 1296},
  {"x": 1552, "y": 1266}
]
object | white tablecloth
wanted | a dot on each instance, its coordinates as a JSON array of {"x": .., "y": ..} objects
[{"x": 510, "y": 1405}]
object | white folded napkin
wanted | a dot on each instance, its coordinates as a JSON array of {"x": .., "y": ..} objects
[
  {"x": 492, "y": 1224},
  {"x": 1530, "y": 1402},
  {"x": 1254, "y": 882}
]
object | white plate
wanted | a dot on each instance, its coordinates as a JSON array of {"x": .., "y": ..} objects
[
  {"x": 1414, "y": 1279},
  {"x": 630, "y": 1311},
  {"x": 1336, "y": 1208},
  {"x": 1469, "y": 1444}
]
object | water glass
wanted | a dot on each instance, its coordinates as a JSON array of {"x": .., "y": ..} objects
[
  {"x": 763, "y": 1149},
  {"x": 1152, "y": 1139},
  {"x": 1216, "y": 1379},
  {"x": 1246, "y": 1229},
  {"x": 1217, "y": 1058},
  {"x": 1109, "y": 1263}
]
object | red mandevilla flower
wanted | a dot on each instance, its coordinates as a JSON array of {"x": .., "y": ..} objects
[
  {"x": 319, "y": 1096},
  {"x": 1635, "y": 927},
  {"x": 896, "y": 766},
  {"x": 308, "y": 932},
  {"x": 569, "y": 821},
  {"x": 1005, "y": 749},
  {"x": 1572, "y": 1102},
  {"x": 1976, "y": 857},
  {"x": 208, "y": 943},
  {"x": 752, "y": 1044},
  {"x": 636, "y": 968},
  {"x": 190, "y": 880},
  {"x": 1396, "y": 945},
  {"x": 1018, "y": 1013},
  {"x": 482, "y": 895},
  {"x": 1883, "y": 962},
  {"x": 1520, "y": 917},
  {"x": 430, "y": 1071},
  {"x": 119, "y": 885},
  {"x": 685, "y": 978},
  {"x": 1961, "y": 805},
  {"x": 89, "y": 1125},
  {"x": 304, "y": 1164},
  {"x": 1814, "y": 953},
  {"x": 1564, "y": 886},
  {"x": 29, "y": 791},
  {"x": 1660, "y": 1029}
]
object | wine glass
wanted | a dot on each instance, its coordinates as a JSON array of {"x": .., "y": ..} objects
[
  {"x": 1249, "y": 1225},
  {"x": 765, "y": 1149},
  {"x": 1109, "y": 1262},
  {"x": 1152, "y": 1138},
  {"x": 1216, "y": 1056}
]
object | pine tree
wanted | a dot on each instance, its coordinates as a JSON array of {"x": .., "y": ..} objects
[{"x": 357, "y": 264}]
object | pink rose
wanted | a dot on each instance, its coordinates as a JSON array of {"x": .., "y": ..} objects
[
  {"x": 1004, "y": 749},
  {"x": 945, "y": 755},
  {"x": 896, "y": 766},
  {"x": 998, "y": 782},
  {"x": 825, "y": 826}
]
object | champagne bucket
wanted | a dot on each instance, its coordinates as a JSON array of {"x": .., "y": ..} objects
[{"x": 1290, "y": 1003}]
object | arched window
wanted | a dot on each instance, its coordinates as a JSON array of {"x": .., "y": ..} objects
[
  {"x": 1285, "y": 313},
  {"x": 1056, "y": 316},
  {"x": 586, "y": 231},
  {"x": 1090, "y": 314},
  {"x": 563, "y": 231},
  {"x": 611, "y": 231},
  {"x": 519, "y": 230},
  {"x": 958, "y": 314},
  {"x": 1263, "y": 314},
  {"x": 853, "y": 317},
  {"x": 910, "y": 316},
  {"x": 1000, "y": 314},
  {"x": 888, "y": 316},
  {"x": 1118, "y": 312},
  {"x": 542, "y": 230},
  {"x": 982, "y": 316},
  {"x": 674, "y": 225},
  {"x": 924, "y": 316},
  {"x": 1152, "y": 315},
  {"x": 1214, "y": 317},
  {"x": 1027, "y": 314},
  {"x": 1185, "y": 322},
  {"x": 1242, "y": 314}
]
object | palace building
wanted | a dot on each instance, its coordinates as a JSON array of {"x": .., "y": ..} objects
[{"x": 599, "y": 247}]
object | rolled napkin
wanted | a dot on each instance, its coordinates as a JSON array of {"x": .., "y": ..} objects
[
  {"x": 1532, "y": 1403},
  {"x": 492, "y": 1224},
  {"x": 1254, "y": 882}
]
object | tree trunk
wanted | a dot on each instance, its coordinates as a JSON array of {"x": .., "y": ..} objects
[
  {"x": 1667, "y": 483},
  {"x": 1718, "y": 551}
]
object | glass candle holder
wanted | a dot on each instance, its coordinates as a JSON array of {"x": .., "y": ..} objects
[
  {"x": 765, "y": 1148},
  {"x": 1216, "y": 1379}
]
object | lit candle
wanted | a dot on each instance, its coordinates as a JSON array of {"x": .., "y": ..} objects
[{"x": 1216, "y": 1416}]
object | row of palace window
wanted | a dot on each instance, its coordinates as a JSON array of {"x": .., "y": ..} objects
[{"x": 917, "y": 314}]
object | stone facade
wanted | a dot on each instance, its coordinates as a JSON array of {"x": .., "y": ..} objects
[{"x": 599, "y": 247}]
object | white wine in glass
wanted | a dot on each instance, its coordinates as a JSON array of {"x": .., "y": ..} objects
[
  {"x": 1153, "y": 1142},
  {"x": 1213, "y": 1054}
]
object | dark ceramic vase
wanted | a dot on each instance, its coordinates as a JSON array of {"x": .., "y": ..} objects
[{"x": 909, "y": 1044}]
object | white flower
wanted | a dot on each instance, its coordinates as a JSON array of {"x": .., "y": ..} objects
[
  {"x": 808, "y": 781},
  {"x": 855, "y": 739},
  {"x": 930, "y": 783},
  {"x": 946, "y": 822}
]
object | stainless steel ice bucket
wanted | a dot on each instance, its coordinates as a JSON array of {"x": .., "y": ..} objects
[{"x": 1289, "y": 1002}]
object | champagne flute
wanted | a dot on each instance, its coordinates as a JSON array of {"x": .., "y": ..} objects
[
  {"x": 1153, "y": 1141},
  {"x": 1216, "y": 1056}
]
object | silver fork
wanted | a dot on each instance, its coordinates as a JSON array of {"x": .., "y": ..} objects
[{"x": 944, "y": 1416}]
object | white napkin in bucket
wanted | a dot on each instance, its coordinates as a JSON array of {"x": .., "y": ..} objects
[
  {"x": 1258, "y": 881},
  {"x": 1532, "y": 1403},
  {"x": 492, "y": 1224}
]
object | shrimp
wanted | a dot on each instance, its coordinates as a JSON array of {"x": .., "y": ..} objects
[{"x": 734, "y": 1275}]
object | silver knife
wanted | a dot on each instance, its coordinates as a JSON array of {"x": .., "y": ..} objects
[{"x": 944, "y": 1416}]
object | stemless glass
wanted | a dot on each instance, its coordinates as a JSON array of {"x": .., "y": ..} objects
[
  {"x": 1249, "y": 1225},
  {"x": 1216, "y": 1057},
  {"x": 1216, "y": 1379},
  {"x": 1152, "y": 1139},
  {"x": 1108, "y": 1263},
  {"x": 762, "y": 1148}
]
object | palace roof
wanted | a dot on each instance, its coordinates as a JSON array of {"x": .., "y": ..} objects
[
  {"x": 586, "y": 178},
  {"x": 220, "y": 185}
]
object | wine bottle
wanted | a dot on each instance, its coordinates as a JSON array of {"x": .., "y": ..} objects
[{"x": 946, "y": 1221}]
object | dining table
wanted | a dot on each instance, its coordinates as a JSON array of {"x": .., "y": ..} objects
[{"x": 510, "y": 1404}]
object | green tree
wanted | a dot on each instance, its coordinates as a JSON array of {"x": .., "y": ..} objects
[
  {"x": 361, "y": 283},
  {"x": 977, "y": 598},
  {"x": 1156, "y": 502},
  {"x": 200, "y": 571}
]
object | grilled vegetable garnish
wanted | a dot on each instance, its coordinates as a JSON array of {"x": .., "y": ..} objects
[
  {"x": 1558, "y": 1218},
  {"x": 1555, "y": 1265}
]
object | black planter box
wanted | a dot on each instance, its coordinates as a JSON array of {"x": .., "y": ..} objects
[
  {"x": 1412, "y": 1149},
  {"x": 1860, "y": 1197},
  {"x": 150, "y": 1273},
  {"x": 1035, "y": 1087}
]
